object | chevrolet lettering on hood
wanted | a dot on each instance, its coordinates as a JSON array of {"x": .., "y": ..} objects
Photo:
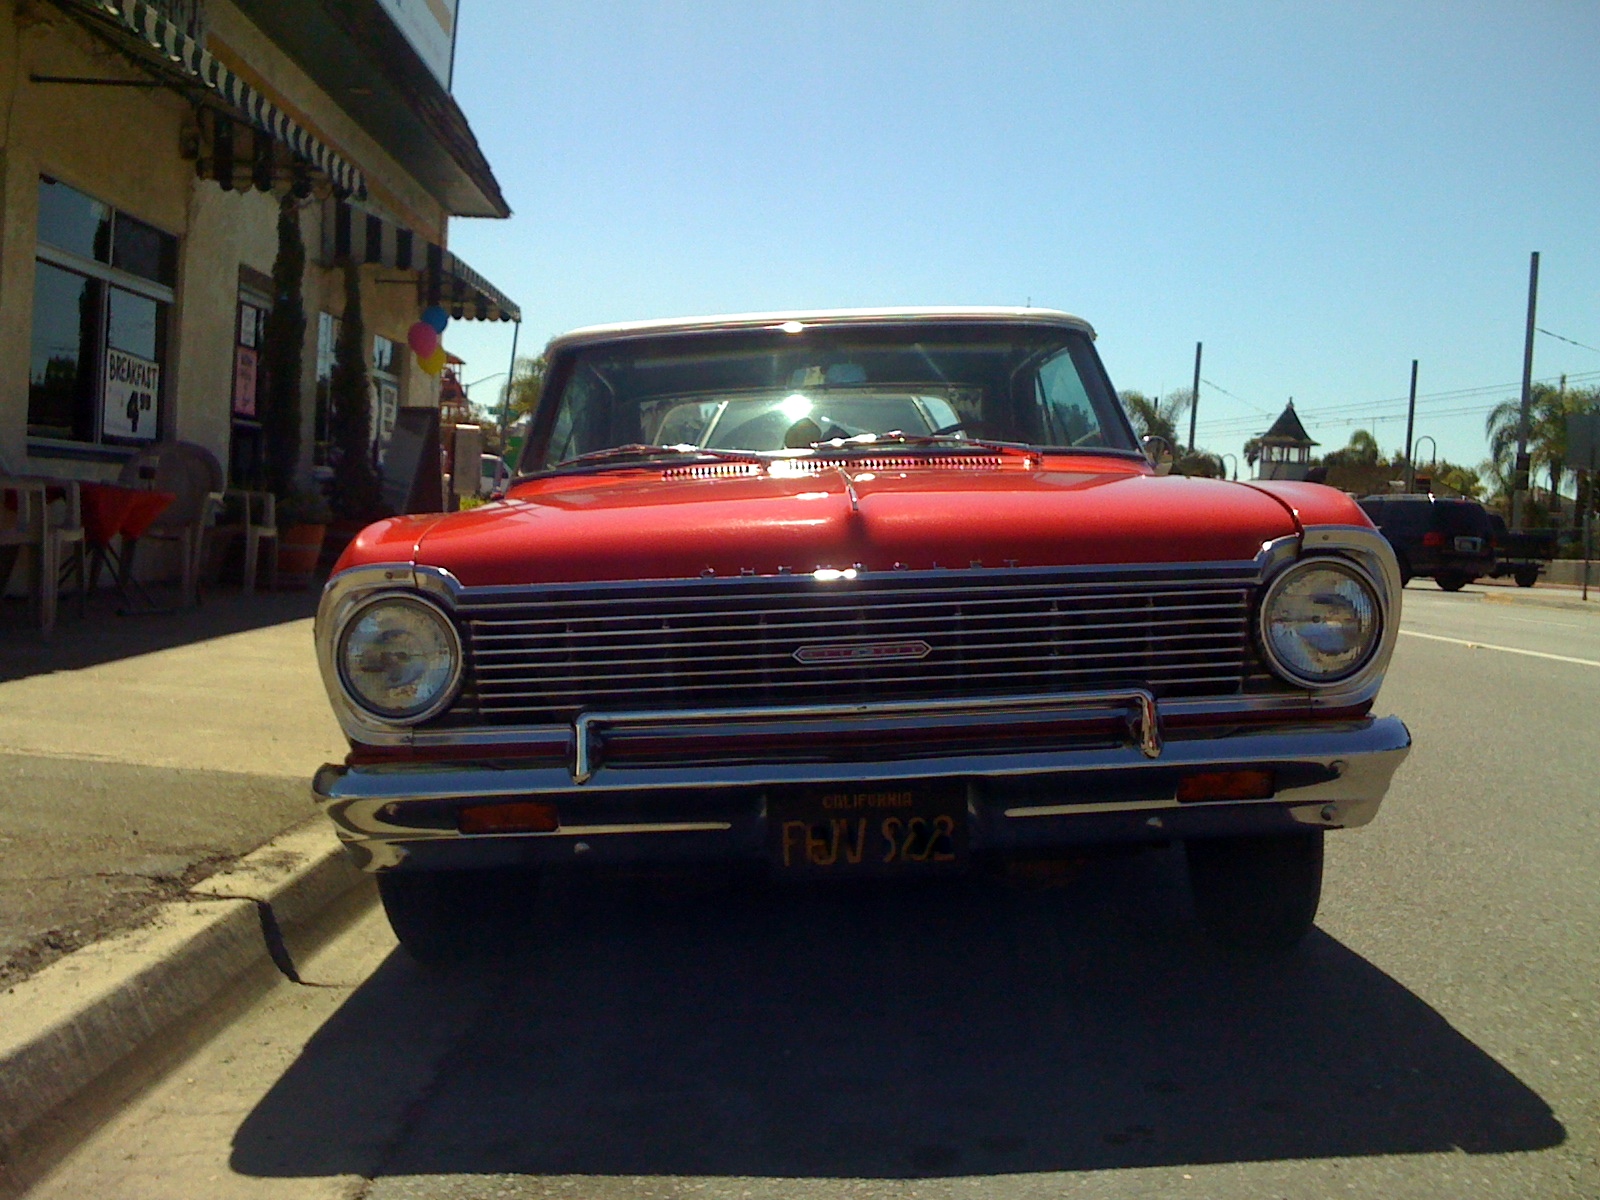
[
  {"x": 1043, "y": 641},
  {"x": 849, "y": 653}
]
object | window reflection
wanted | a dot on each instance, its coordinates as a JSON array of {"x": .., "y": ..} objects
[
  {"x": 132, "y": 323},
  {"x": 61, "y": 371},
  {"x": 71, "y": 221},
  {"x": 142, "y": 250}
]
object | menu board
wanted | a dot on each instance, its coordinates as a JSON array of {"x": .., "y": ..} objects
[{"x": 412, "y": 480}]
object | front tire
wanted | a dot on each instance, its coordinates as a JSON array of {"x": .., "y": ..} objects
[
  {"x": 445, "y": 918},
  {"x": 1256, "y": 897},
  {"x": 1526, "y": 576}
]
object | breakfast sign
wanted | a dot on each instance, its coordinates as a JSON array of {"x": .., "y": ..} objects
[{"x": 129, "y": 390}]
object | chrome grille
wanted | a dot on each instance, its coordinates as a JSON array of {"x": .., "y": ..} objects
[{"x": 545, "y": 655}]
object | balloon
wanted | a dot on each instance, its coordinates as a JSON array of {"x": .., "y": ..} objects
[
  {"x": 423, "y": 339},
  {"x": 435, "y": 317},
  {"x": 433, "y": 363}
]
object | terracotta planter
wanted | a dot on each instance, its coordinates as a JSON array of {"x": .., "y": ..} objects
[{"x": 299, "y": 547}]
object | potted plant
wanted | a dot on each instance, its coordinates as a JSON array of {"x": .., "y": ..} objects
[{"x": 303, "y": 518}]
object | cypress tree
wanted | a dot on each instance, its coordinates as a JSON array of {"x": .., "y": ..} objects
[
  {"x": 357, "y": 492},
  {"x": 283, "y": 345}
]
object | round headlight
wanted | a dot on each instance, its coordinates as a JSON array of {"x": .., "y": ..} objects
[
  {"x": 1320, "y": 622},
  {"x": 400, "y": 658}
]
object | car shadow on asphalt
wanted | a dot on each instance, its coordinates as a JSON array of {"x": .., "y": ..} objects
[
  {"x": 988, "y": 1027},
  {"x": 104, "y": 634}
]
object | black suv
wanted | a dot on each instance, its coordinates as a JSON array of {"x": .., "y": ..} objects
[{"x": 1448, "y": 540}]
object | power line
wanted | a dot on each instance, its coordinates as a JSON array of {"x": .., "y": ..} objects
[
  {"x": 1216, "y": 387},
  {"x": 1371, "y": 409},
  {"x": 1567, "y": 340}
]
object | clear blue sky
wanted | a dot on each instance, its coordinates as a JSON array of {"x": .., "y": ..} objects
[{"x": 1320, "y": 193}]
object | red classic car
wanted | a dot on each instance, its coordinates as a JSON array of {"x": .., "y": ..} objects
[{"x": 890, "y": 593}]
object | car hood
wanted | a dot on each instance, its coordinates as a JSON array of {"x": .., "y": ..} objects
[{"x": 732, "y": 520}]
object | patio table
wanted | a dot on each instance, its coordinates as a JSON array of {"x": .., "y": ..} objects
[{"x": 111, "y": 510}]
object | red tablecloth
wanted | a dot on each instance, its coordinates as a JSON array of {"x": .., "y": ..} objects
[{"x": 110, "y": 509}]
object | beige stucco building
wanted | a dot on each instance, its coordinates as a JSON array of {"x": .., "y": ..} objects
[{"x": 145, "y": 149}]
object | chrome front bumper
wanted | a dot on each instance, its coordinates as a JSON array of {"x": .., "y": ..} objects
[{"x": 1329, "y": 775}]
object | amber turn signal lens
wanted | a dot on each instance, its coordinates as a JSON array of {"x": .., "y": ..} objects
[
  {"x": 508, "y": 818},
  {"x": 1228, "y": 785}
]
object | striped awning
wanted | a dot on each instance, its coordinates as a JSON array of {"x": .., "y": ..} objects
[
  {"x": 142, "y": 32},
  {"x": 352, "y": 230}
]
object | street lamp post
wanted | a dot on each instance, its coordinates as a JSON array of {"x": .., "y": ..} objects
[
  {"x": 1433, "y": 457},
  {"x": 466, "y": 388}
]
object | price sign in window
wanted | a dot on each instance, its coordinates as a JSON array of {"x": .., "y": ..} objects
[{"x": 130, "y": 388}]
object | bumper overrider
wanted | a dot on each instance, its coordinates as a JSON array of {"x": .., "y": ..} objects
[{"x": 1117, "y": 765}]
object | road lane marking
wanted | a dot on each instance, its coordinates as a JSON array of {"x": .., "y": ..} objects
[
  {"x": 1545, "y": 624},
  {"x": 1434, "y": 637}
]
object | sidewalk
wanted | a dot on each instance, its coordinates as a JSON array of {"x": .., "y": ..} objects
[
  {"x": 1541, "y": 595},
  {"x": 140, "y": 753}
]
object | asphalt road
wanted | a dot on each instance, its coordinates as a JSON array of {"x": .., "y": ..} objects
[{"x": 1437, "y": 1036}]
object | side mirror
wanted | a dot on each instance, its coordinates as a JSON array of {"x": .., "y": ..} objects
[{"x": 1159, "y": 451}]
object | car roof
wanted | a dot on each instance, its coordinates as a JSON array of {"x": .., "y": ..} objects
[{"x": 828, "y": 316}]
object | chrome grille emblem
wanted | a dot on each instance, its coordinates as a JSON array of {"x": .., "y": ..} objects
[{"x": 851, "y": 653}]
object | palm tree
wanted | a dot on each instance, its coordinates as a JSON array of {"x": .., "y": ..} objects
[
  {"x": 1158, "y": 418},
  {"x": 1362, "y": 451},
  {"x": 1497, "y": 481},
  {"x": 527, "y": 384},
  {"x": 1547, "y": 430}
]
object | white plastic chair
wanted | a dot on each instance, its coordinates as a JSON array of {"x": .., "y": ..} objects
[
  {"x": 194, "y": 477},
  {"x": 260, "y": 525},
  {"x": 28, "y": 521}
]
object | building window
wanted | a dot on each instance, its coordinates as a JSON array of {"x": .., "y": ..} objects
[
  {"x": 102, "y": 292},
  {"x": 327, "y": 339},
  {"x": 247, "y": 443},
  {"x": 386, "y": 364}
]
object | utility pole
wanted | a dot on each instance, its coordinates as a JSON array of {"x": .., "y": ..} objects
[
  {"x": 1194, "y": 399},
  {"x": 1411, "y": 420},
  {"x": 1519, "y": 478}
]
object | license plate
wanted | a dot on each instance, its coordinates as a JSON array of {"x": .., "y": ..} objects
[
  {"x": 1469, "y": 545},
  {"x": 851, "y": 830}
]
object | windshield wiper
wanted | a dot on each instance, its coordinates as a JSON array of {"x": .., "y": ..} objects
[
  {"x": 895, "y": 437},
  {"x": 639, "y": 450},
  {"x": 866, "y": 441}
]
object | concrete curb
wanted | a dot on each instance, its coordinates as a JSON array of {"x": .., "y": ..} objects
[
  {"x": 77, "y": 1020},
  {"x": 1576, "y": 604}
]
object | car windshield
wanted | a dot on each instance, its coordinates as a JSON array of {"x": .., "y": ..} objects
[{"x": 767, "y": 390}]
